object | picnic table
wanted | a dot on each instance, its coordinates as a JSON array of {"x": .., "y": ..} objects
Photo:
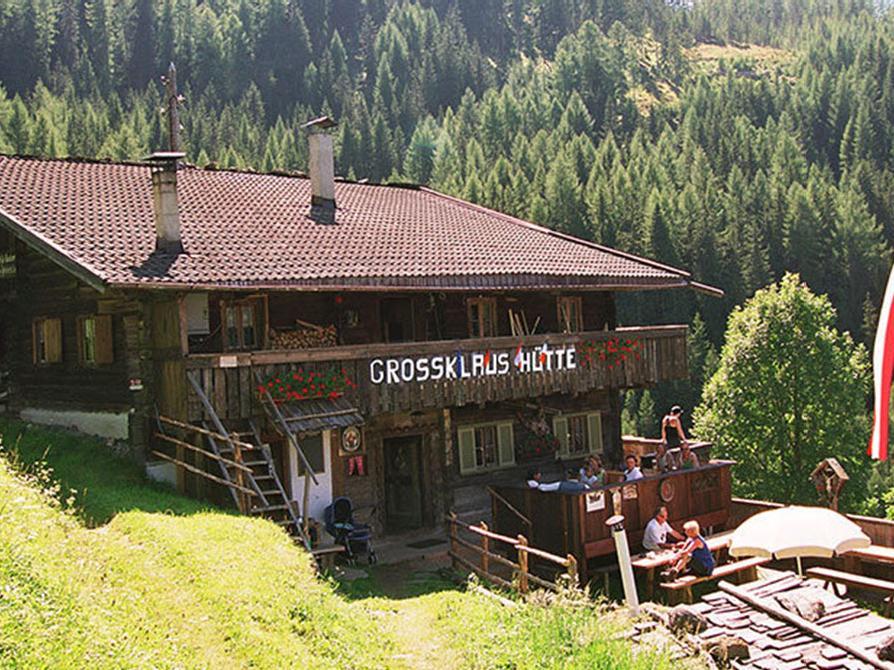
[
  {"x": 873, "y": 553},
  {"x": 654, "y": 560}
]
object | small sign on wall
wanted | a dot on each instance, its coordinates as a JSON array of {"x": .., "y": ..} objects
[
  {"x": 136, "y": 384},
  {"x": 596, "y": 501}
]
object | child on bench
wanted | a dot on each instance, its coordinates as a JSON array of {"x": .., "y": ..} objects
[{"x": 694, "y": 557}]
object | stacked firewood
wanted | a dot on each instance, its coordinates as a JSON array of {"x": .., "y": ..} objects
[{"x": 305, "y": 336}]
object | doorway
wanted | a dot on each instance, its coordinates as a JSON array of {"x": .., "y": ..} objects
[
  {"x": 403, "y": 483},
  {"x": 397, "y": 320}
]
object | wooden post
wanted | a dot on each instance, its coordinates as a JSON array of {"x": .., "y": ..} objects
[
  {"x": 522, "y": 565},
  {"x": 240, "y": 478},
  {"x": 572, "y": 572},
  {"x": 453, "y": 539},
  {"x": 485, "y": 546}
]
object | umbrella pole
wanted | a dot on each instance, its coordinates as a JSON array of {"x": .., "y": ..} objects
[{"x": 800, "y": 571}]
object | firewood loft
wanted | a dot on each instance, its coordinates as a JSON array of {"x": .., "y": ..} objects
[{"x": 339, "y": 356}]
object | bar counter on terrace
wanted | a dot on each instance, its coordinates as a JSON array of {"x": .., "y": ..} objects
[{"x": 574, "y": 523}]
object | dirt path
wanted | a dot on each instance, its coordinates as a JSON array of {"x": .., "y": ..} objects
[{"x": 407, "y": 599}]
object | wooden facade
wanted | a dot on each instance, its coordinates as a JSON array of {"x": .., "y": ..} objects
[{"x": 410, "y": 450}]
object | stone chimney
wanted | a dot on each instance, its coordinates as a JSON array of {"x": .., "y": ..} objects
[
  {"x": 164, "y": 201},
  {"x": 321, "y": 169}
]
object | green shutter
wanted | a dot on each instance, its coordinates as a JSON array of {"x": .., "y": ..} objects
[
  {"x": 505, "y": 444},
  {"x": 594, "y": 432},
  {"x": 560, "y": 430},
  {"x": 465, "y": 438}
]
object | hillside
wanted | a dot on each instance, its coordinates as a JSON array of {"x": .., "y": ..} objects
[{"x": 169, "y": 585}]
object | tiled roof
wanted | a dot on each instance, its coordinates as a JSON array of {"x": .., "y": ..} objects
[
  {"x": 243, "y": 229},
  {"x": 777, "y": 645}
]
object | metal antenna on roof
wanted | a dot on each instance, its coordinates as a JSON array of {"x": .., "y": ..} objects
[{"x": 172, "y": 107}]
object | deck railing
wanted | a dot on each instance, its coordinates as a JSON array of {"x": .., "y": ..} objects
[
  {"x": 407, "y": 376},
  {"x": 491, "y": 563}
]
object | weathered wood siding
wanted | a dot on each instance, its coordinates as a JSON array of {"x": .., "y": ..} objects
[
  {"x": 562, "y": 524},
  {"x": 233, "y": 387},
  {"x": 43, "y": 289}
]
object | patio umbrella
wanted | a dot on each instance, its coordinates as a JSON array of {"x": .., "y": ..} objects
[{"x": 797, "y": 532}]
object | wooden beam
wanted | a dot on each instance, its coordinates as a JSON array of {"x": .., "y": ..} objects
[
  {"x": 199, "y": 471},
  {"x": 203, "y": 452},
  {"x": 802, "y": 624},
  {"x": 205, "y": 431}
]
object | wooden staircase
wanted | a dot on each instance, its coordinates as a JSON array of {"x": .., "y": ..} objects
[{"x": 244, "y": 463}]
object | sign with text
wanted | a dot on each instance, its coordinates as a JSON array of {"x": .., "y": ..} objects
[{"x": 470, "y": 365}]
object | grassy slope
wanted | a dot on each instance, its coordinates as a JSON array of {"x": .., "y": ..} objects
[{"x": 167, "y": 584}]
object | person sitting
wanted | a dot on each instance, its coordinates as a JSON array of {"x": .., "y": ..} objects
[
  {"x": 592, "y": 473},
  {"x": 534, "y": 481},
  {"x": 672, "y": 428},
  {"x": 632, "y": 473},
  {"x": 688, "y": 459},
  {"x": 571, "y": 484},
  {"x": 664, "y": 460},
  {"x": 657, "y": 530},
  {"x": 694, "y": 556}
]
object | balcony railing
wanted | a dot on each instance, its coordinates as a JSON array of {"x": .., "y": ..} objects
[{"x": 407, "y": 376}]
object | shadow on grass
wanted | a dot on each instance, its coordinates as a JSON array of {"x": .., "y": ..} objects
[
  {"x": 396, "y": 582},
  {"x": 101, "y": 482}
]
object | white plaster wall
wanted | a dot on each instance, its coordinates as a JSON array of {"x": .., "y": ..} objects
[{"x": 104, "y": 424}]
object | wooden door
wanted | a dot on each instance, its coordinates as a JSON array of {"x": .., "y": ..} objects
[
  {"x": 397, "y": 320},
  {"x": 403, "y": 483}
]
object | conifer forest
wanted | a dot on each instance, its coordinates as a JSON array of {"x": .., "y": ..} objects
[{"x": 739, "y": 140}]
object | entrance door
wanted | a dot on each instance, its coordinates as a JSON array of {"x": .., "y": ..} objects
[
  {"x": 318, "y": 450},
  {"x": 403, "y": 483}
]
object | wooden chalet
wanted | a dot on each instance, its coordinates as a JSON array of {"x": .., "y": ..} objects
[{"x": 407, "y": 347}]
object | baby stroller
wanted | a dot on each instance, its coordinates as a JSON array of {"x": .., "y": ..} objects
[{"x": 355, "y": 537}]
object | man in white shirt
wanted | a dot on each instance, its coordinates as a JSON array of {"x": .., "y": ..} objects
[
  {"x": 655, "y": 537},
  {"x": 534, "y": 477},
  {"x": 632, "y": 472}
]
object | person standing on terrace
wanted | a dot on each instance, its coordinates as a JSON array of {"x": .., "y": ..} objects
[{"x": 672, "y": 434}]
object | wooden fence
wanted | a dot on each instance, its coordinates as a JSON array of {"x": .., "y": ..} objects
[
  {"x": 484, "y": 544},
  {"x": 880, "y": 531}
]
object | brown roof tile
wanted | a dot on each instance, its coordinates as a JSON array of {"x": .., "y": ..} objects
[{"x": 253, "y": 230}]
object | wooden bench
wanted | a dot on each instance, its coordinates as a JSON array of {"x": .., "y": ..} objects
[
  {"x": 649, "y": 563},
  {"x": 325, "y": 555},
  {"x": 680, "y": 590},
  {"x": 834, "y": 577}
]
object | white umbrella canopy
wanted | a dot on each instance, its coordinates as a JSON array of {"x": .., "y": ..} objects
[{"x": 796, "y": 532}]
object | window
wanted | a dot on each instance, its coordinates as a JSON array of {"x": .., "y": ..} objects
[
  {"x": 571, "y": 316},
  {"x": 578, "y": 434},
  {"x": 46, "y": 336},
  {"x": 95, "y": 346},
  {"x": 312, "y": 446},
  {"x": 482, "y": 317},
  {"x": 485, "y": 447},
  {"x": 244, "y": 323}
]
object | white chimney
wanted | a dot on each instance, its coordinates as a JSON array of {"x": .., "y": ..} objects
[
  {"x": 164, "y": 200},
  {"x": 322, "y": 169}
]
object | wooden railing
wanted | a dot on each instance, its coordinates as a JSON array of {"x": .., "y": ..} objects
[
  {"x": 660, "y": 355},
  {"x": 523, "y": 577}
]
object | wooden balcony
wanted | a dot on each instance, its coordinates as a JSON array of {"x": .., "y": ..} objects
[{"x": 402, "y": 377}]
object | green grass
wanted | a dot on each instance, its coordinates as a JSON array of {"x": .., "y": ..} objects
[
  {"x": 167, "y": 583},
  {"x": 101, "y": 483}
]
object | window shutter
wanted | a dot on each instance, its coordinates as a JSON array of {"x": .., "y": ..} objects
[
  {"x": 465, "y": 438},
  {"x": 105, "y": 348},
  {"x": 53, "y": 336},
  {"x": 560, "y": 430},
  {"x": 594, "y": 432},
  {"x": 505, "y": 444}
]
